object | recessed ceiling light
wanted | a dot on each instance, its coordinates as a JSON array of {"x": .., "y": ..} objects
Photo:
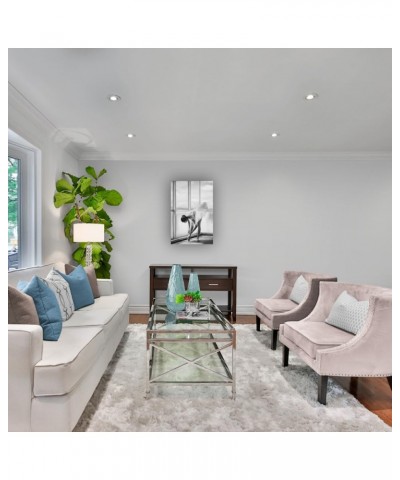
[
  {"x": 130, "y": 135},
  {"x": 311, "y": 96},
  {"x": 275, "y": 134},
  {"x": 114, "y": 97}
]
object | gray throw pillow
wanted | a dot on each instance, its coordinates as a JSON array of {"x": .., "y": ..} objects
[
  {"x": 91, "y": 273},
  {"x": 348, "y": 314},
  {"x": 299, "y": 291},
  {"x": 21, "y": 308}
]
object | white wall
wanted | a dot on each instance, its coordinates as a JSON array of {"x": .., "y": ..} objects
[
  {"x": 54, "y": 159},
  {"x": 329, "y": 215}
]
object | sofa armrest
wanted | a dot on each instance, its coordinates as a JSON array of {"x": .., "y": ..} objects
[
  {"x": 369, "y": 353},
  {"x": 25, "y": 345},
  {"x": 106, "y": 286}
]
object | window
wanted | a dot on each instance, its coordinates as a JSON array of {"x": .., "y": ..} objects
[{"x": 23, "y": 204}]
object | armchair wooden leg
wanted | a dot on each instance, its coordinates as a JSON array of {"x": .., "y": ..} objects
[
  {"x": 258, "y": 323},
  {"x": 285, "y": 356},
  {"x": 274, "y": 339},
  {"x": 322, "y": 388},
  {"x": 389, "y": 379}
]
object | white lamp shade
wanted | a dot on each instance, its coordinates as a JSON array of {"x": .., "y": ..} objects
[{"x": 88, "y": 232}]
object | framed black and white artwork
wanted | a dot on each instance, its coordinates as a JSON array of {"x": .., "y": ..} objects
[{"x": 192, "y": 212}]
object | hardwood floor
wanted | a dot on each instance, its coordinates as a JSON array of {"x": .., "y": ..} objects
[{"x": 374, "y": 393}]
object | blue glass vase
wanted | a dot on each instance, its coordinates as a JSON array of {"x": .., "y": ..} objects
[
  {"x": 175, "y": 286},
  {"x": 193, "y": 285}
]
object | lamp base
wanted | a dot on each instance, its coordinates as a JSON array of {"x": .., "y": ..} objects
[{"x": 88, "y": 254}]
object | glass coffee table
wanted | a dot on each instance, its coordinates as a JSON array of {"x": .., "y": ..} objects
[{"x": 190, "y": 349}]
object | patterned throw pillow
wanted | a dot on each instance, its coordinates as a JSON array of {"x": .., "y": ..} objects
[
  {"x": 63, "y": 293},
  {"x": 348, "y": 313},
  {"x": 299, "y": 291}
]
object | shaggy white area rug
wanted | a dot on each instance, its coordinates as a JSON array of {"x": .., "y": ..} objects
[{"x": 269, "y": 398}]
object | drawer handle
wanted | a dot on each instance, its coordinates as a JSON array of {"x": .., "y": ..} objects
[{"x": 213, "y": 284}]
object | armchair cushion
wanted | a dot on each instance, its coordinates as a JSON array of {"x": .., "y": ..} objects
[
  {"x": 313, "y": 336},
  {"x": 348, "y": 313},
  {"x": 271, "y": 306},
  {"x": 300, "y": 289}
]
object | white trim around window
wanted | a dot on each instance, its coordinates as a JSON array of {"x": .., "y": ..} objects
[{"x": 30, "y": 217}]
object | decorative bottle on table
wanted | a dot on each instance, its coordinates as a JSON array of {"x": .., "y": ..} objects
[{"x": 175, "y": 286}]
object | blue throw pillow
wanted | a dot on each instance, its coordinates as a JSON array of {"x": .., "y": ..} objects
[
  {"x": 81, "y": 291},
  {"x": 46, "y": 305}
]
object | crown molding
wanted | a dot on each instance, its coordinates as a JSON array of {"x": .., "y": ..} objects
[
  {"x": 220, "y": 156},
  {"x": 36, "y": 123}
]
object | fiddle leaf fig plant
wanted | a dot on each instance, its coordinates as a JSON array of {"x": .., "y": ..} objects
[{"x": 88, "y": 200}]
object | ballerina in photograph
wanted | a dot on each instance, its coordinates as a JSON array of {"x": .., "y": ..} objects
[{"x": 192, "y": 212}]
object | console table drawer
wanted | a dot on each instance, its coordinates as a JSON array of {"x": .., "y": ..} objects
[{"x": 210, "y": 284}]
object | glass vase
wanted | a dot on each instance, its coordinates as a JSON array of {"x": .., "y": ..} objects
[
  {"x": 175, "y": 286},
  {"x": 193, "y": 285}
]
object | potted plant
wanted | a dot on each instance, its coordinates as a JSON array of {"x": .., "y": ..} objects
[
  {"x": 191, "y": 301},
  {"x": 87, "y": 201}
]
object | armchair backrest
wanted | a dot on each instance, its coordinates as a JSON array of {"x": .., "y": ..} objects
[
  {"x": 330, "y": 291},
  {"x": 290, "y": 277}
]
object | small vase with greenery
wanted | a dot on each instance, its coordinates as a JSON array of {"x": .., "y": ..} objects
[
  {"x": 88, "y": 200},
  {"x": 191, "y": 300}
]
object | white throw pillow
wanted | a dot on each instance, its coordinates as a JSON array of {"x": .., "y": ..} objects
[
  {"x": 347, "y": 313},
  {"x": 300, "y": 290},
  {"x": 63, "y": 293}
]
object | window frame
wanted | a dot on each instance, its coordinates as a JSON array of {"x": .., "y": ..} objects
[{"x": 29, "y": 210}]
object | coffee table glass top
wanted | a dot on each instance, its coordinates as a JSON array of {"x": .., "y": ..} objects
[{"x": 190, "y": 350}]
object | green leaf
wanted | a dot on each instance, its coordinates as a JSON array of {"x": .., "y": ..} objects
[
  {"x": 61, "y": 198},
  {"x": 78, "y": 254},
  {"x": 63, "y": 185},
  {"x": 70, "y": 217},
  {"x": 85, "y": 184},
  {"x": 73, "y": 178},
  {"x": 95, "y": 201},
  {"x": 105, "y": 256},
  {"x": 108, "y": 246},
  {"x": 91, "y": 171},
  {"x": 89, "y": 211},
  {"x": 113, "y": 198},
  {"x": 109, "y": 232},
  {"x": 96, "y": 248},
  {"x": 102, "y": 172},
  {"x": 104, "y": 218}
]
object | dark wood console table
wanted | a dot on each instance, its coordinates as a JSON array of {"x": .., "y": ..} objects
[{"x": 212, "y": 278}]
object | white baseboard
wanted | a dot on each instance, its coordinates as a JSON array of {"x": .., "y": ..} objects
[{"x": 144, "y": 309}]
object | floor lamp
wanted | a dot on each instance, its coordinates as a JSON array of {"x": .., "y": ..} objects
[{"x": 88, "y": 232}]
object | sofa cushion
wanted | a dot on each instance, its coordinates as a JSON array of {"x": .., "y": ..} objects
[
  {"x": 46, "y": 307},
  {"x": 272, "y": 306},
  {"x": 91, "y": 273},
  {"x": 116, "y": 300},
  {"x": 314, "y": 336},
  {"x": 64, "y": 363},
  {"x": 86, "y": 318},
  {"x": 21, "y": 308},
  {"x": 300, "y": 289},
  {"x": 80, "y": 287},
  {"x": 62, "y": 292},
  {"x": 348, "y": 313}
]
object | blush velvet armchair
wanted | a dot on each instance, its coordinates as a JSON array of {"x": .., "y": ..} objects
[
  {"x": 332, "y": 351},
  {"x": 280, "y": 308}
]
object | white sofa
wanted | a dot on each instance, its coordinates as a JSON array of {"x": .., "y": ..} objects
[{"x": 50, "y": 383}]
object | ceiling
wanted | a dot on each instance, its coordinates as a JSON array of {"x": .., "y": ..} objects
[{"x": 211, "y": 101}]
